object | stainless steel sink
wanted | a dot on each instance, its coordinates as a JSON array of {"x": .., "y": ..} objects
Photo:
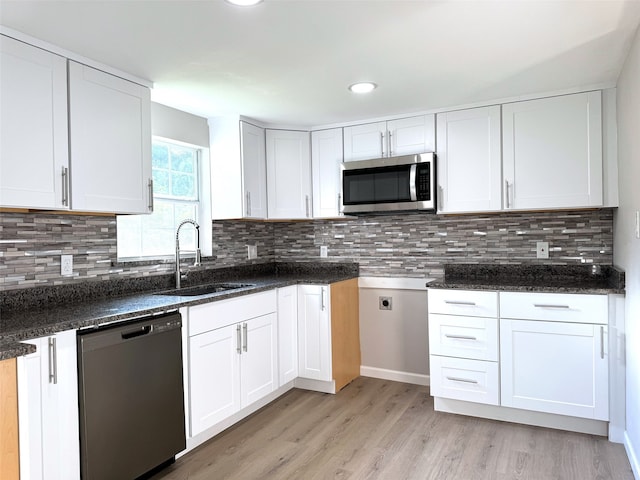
[{"x": 205, "y": 289}]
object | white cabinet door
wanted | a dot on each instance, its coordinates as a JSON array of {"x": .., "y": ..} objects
[
  {"x": 258, "y": 359},
  {"x": 288, "y": 174},
  {"x": 406, "y": 136},
  {"x": 110, "y": 142},
  {"x": 363, "y": 142},
  {"x": 214, "y": 376},
  {"x": 326, "y": 158},
  {"x": 254, "y": 173},
  {"x": 48, "y": 409},
  {"x": 469, "y": 160},
  {"x": 314, "y": 332},
  {"x": 555, "y": 367},
  {"x": 552, "y": 152},
  {"x": 34, "y": 138},
  {"x": 287, "y": 334}
]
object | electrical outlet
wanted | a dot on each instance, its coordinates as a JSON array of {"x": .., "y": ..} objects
[
  {"x": 66, "y": 264},
  {"x": 252, "y": 252},
  {"x": 324, "y": 251},
  {"x": 542, "y": 249}
]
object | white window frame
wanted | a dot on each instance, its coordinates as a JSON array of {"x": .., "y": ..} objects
[{"x": 204, "y": 206}]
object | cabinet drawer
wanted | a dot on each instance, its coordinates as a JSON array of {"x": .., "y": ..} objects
[
  {"x": 210, "y": 316},
  {"x": 471, "y": 303},
  {"x": 462, "y": 379},
  {"x": 467, "y": 337},
  {"x": 555, "y": 307}
]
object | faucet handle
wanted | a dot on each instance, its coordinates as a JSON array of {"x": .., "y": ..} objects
[{"x": 198, "y": 260}]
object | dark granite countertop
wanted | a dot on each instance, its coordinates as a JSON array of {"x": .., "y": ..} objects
[
  {"x": 45, "y": 312},
  {"x": 588, "y": 279}
]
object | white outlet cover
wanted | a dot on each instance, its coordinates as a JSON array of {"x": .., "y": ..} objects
[
  {"x": 252, "y": 252},
  {"x": 66, "y": 264},
  {"x": 542, "y": 249},
  {"x": 324, "y": 251}
]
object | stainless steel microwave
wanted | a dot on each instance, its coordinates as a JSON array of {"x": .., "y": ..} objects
[{"x": 389, "y": 184}]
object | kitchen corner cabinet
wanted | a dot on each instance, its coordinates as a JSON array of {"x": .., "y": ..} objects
[
  {"x": 552, "y": 152},
  {"x": 232, "y": 357},
  {"x": 469, "y": 160},
  {"x": 287, "y": 334},
  {"x": 403, "y": 136},
  {"x": 238, "y": 169},
  {"x": 326, "y": 158},
  {"x": 48, "y": 409},
  {"x": 328, "y": 332},
  {"x": 110, "y": 142},
  {"x": 288, "y": 174},
  {"x": 9, "y": 451},
  {"x": 34, "y": 157}
]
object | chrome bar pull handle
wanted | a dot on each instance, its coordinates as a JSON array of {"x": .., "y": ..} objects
[
  {"x": 382, "y": 144},
  {"x": 545, "y": 305},
  {"x": 322, "y": 300},
  {"x": 339, "y": 204},
  {"x": 464, "y": 380},
  {"x": 413, "y": 193},
  {"x": 456, "y": 302},
  {"x": 440, "y": 198},
  {"x": 460, "y": 337},
  {"x": 245, "y": 346},
  {"x": 601, "y": 342},
  {"x": 150, "y": 187},
  {"x": 390, "y": 143},
  {"x": 306, "y": 203},
  {"x": 508, "y": 199},
  {"x": 238, "y": 340},
  {"x": 65, "y": 186},
  {"x": 53, "y": 361}
]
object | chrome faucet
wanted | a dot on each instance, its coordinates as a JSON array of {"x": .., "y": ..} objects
[{"x": 197, "y": 251}]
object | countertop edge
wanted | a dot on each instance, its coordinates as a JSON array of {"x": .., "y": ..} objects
[{"x": 528, "y": 288}]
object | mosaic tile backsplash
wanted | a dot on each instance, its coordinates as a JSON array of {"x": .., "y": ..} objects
[{"x": 406, "y": 244}]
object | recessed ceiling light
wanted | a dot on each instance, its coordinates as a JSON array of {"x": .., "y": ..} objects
[
  {"x": 363, "y": 87},
  {"x": 244, "y": 3}
]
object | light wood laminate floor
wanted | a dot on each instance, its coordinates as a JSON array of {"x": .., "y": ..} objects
[{"x": 378, "y": 429}]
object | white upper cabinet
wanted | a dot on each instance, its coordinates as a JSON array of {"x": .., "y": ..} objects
[
  {"x": 288, "y": 174},
  {"x": 252, "y": 143},
  {"x": 326, "y": 157},
  {"x": 469, "y": 160},
  {"x": 552, "y": 152},
  {"x": 404, "y": 136},
  {"x": 34, "y": 155},
  {"x": 238, "y": 169},
  {"x": 110, "y": 131}
]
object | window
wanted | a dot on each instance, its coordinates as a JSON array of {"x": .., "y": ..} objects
[{"x": 178, "y": 189}]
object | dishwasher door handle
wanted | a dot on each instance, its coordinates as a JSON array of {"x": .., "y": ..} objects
[{"x": 147, "y": 329}]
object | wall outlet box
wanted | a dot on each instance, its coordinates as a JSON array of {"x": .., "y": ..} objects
[
  {"x": 66, "y": 264},
  {"x": 385, "y": 303},
  {"x": 542, "y": 249},
  {"x": 252, "y": 252},
  {"x": 324, "y": 251}
]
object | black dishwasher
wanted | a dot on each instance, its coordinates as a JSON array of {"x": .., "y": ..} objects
[{"x": 131, "y": 397}]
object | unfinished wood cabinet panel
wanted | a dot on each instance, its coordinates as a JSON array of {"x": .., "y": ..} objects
[
  {"x": 345, "y": 332},
  {"x": 9, "y": 453}
]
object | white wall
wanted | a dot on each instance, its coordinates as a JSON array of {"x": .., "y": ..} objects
[
  {"x": 175, "y": 124},
  {"x": 626, "y": 249}
]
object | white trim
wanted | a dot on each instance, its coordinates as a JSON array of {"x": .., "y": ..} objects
[
  {"x": 315, "y": 385},
  {"x": 632, "y": 453},
  {"x": 395, "y": 375},
  {"x": 516, "y": 415},
  {"x": 398, "y": 283},
  {"x": 23, "y": 37}
]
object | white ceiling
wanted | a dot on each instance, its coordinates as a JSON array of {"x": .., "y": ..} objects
[{"x": 289, "y": 62}]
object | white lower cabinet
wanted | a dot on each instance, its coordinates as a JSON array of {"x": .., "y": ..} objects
[
  {"x": 287, "y": 334},
  {"x": 48, "y": 409},
  {"x": 314, "y": 332},
  {"x": 232, "y": 357},
  {"x": 553, "y": 351}
]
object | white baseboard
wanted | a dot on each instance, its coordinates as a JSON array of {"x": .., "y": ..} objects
[
  {"x": 632, "y": 453},
  {"x": 395, "y": 375},
  {"x": 315, "y": 385}
]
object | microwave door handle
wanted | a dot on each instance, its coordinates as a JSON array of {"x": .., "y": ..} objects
[{"x": 412, "y": 182}]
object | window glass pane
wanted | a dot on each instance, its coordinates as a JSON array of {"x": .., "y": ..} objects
[
  {"x": 183, "y": 160},
  {"x": 183, "y": 186},
  {"x": 160, "y": 182},
  {"x": 160, "y": 155}
]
